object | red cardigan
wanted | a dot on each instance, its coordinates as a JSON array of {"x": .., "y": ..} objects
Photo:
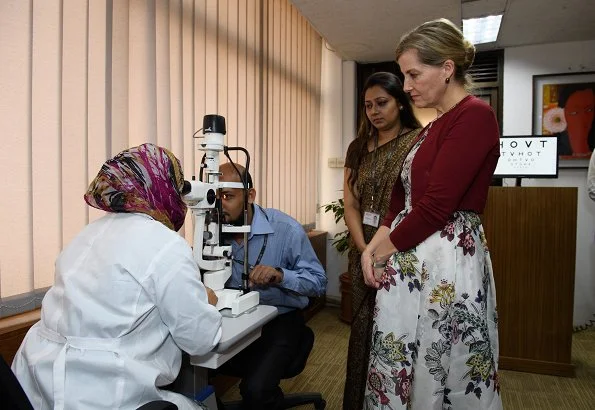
[{"x": 451, "y": 171}]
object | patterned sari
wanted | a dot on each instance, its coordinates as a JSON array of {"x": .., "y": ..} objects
[{"x": 370, "y": 184}]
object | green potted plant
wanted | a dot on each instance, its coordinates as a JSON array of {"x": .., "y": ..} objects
[
  {"x": 341, "y": 244},
  {"x": 341, "y": 239}
]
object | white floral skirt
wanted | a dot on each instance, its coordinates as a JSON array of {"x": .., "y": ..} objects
[{"x": 435, "y": 337}]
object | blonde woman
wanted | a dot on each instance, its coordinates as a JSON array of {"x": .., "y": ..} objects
[{"x": 435, "y": 339}]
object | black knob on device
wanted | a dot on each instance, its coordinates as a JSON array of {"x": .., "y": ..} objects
[{"x": 213, "y": 123}]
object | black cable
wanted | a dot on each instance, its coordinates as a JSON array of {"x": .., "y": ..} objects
[
  {"x": 202, "y": 162},
  {"x": 244, "y": 180}
]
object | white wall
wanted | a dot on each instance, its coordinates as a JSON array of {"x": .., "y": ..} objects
[
  {"x": 520, "y": 64},
  {"x": 337, "y": 129}
]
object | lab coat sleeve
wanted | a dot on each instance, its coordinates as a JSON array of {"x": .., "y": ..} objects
[{"x": 182, "y": 300}]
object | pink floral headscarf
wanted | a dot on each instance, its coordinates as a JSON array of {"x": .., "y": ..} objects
[{"x": 146, "y": 179}]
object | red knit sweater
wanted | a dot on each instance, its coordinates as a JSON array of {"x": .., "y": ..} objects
[{"x": 451, "y": 171}]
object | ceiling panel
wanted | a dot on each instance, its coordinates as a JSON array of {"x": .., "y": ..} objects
[{"x": 368, "y": 31}]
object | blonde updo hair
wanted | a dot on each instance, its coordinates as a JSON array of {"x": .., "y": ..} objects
[{"x": 437, "y": 41}]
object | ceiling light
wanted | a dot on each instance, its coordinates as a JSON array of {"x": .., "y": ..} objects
[{"x": 482, "y": 29}]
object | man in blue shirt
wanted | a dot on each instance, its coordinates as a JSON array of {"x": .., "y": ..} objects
[{"x": 285, "y": 271}]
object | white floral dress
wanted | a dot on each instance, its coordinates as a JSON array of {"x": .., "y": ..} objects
[{"x": 435, "y": 337}]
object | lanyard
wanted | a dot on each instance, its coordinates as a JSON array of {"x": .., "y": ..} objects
[
  {"x": 374, "y": 181},
  {"x": 260, "y": 255},
  {"x": 262, "y": 249}
]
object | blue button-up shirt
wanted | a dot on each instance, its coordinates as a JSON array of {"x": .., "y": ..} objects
[{"x": 287, "y": 247}]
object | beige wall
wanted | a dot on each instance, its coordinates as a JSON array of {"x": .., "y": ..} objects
[{"x": 83, "y": 79}]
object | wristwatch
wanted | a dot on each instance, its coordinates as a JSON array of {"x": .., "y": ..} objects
[
  {"x": 278, "y": 269},
  {"x": 379, "y": 264}
]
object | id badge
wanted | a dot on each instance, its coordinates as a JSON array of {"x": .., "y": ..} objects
[{"x": 371, "y": 219}]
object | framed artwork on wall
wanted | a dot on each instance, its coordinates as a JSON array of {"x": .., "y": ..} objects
[{"x": 563, "y": 106}]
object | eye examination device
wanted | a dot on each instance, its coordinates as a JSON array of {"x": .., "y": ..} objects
[{"x": 214, "y": 258}]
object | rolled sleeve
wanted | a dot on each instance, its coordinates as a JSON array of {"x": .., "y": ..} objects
[{"x": 303, "y": 273}]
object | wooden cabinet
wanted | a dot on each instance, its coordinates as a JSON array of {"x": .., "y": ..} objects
[
  {"x": 12, "y": 331},
  {"x": 531, "y": 234},
  {"x": 318, "y": 240}
]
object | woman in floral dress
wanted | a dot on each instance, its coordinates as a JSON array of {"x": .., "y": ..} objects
[{"x": 435, "y": 338}]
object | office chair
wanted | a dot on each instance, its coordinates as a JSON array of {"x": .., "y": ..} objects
[
  {"x": 295, "y": 368},
  {"x": 11, "y": 392},
  {"x": 13, "y": 396}
]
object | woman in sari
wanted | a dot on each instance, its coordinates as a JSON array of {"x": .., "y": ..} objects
[{"x": 372, "y": 165}]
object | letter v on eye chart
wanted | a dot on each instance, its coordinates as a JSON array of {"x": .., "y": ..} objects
[{"x": 528, "y": 156}]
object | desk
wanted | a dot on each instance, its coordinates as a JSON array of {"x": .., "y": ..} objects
[{"x": 236, "y": 334}]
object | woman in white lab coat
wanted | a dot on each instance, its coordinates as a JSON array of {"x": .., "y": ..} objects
[{"x": 127, "y": 297}]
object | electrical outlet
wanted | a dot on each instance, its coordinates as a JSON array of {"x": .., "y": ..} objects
[
  {"x": 340, "y": 162},
  {"x": 332, "y": 162}
]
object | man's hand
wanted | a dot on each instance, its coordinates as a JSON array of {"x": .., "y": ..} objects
[
  {"x": 212, "y": 296},
  {"x": 262, "y": 275}
]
